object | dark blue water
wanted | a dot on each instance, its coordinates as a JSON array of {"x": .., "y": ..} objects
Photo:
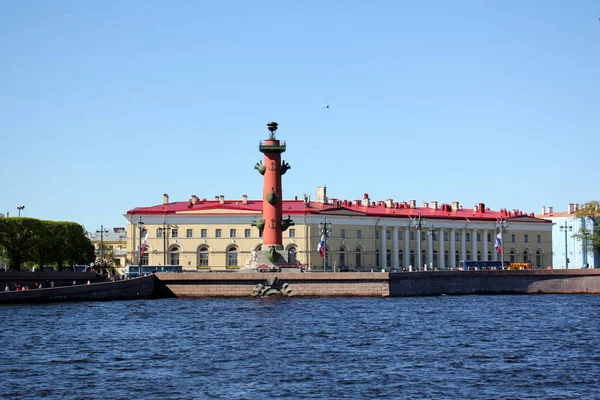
[{"x": 479, "y": 347}]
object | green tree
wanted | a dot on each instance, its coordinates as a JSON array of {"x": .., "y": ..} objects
[
  {"x": 590, "y": 237},
  {"x": 17, "y": 238}
]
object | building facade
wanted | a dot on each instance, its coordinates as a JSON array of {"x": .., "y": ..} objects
[
  {"x": 571, "y": 248},
  {"x": 113, "y": 243},
  {"x": 201, "y": 234}
]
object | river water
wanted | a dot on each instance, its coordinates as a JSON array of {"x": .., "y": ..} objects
[{"x": 447, "y": 347}]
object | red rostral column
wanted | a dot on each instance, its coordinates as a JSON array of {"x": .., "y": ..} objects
[{"x": 272, "y": 193}]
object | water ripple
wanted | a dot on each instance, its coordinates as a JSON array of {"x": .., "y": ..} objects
[{"x": 484, "y": 347}]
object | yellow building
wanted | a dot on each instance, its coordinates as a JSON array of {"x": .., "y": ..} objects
[
  {"x": 216, "y": 234},
  {"x": 114, "y": 243}
]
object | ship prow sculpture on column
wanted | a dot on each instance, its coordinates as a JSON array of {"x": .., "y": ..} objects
[{"x": 271, "y": 225}]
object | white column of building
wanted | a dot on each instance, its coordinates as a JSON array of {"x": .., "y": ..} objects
[
  {"x": 407, "y": 247},
  {"x": 383, "y": 250},
  {"x": 441, "y": 260},
  {"x": 429, "y": 248},
  {"x": 452, "y": 248},
  {"x": 474, "y": 242},
  {"x": 484, "y": 234},
  {"x": 463, "y": 244},
  {"x": 395, "y": 259}
]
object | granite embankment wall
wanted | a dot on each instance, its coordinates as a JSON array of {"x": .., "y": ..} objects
[
  {"x": 576, "y": 281},
  {"x": 106, "y": 290},
  {"x": 378, "y": 284},
  {"x": 227, "y": 284}
]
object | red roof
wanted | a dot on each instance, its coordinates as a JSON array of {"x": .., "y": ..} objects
[{"x": 375, "y": 209}]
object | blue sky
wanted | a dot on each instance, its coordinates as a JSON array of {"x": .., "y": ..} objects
[{"x": 106, "y": 105}]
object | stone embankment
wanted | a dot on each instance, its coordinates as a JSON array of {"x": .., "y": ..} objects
[{"x": 319, "y": 284}]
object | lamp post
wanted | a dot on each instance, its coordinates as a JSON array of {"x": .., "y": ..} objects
[
  {"x": 566, "y": 227},
  {"x": 165, "y": 234},
  {"x": 418, "y": 223},
  {"x": 142, "y": 228},
  {"x": 585, "y": 236},
  {"x": 20, "y": 208},
  {"x": 325, "y": 230},
  {"x": 502, "y": 223},
  {"x": 102, "y": 231}
]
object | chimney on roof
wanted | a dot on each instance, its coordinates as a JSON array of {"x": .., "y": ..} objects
[
  {"x": 454, "y": 205},
  {"x": 194, "y": 199},
  {"x": 412, "y": 204},
  {"x": 244, "y": 199},
  {"x": 577, "y": 207},
  {"x": 434, "y": 205},
  {"x": 481, "y": 207},
  {"x": 550, "y": 210},
  {"x": 222, "y": 199},
  {"x": 322, "y": 194},
  {"x": 389, "y": 203},
  {"x": 306, "y": 200},
  {"x": 543, "y": 210},
  {"x": 424, "y": 204},
  {"x": 165, "y": 198},
  {"x": 366, "y": 200}
]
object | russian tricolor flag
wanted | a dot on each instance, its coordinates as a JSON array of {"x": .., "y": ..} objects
[
  {"x": 498, "y": 245},
  {"x": 321, "y": 247}
]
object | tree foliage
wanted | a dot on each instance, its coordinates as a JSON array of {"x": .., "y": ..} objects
[
  {"x": 590, "y": 211},
  {"x": 29, "y": 240}
]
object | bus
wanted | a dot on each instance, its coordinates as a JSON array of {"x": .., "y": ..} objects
[
  {"x": 133, "y": 271},
  {"x": 473, "y": 265}
]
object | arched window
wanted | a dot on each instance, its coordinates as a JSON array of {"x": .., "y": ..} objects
[
  {"x": 174, "y": 256},
  {"x": 525, "y": 256},
  {"x": 388, "y": 258},
  {"x": 401, "y": 258},
  {"x": 377, "y": 258},
  {"x": 456, "y": 258},
  {"x": 144, "y": 259},
  {"x": 232, "y": 257},
  {"x": 423, "y": 258},
  {"x": 468, "y": 255},
  {"x": 292, "y": 255},
  {"x": 203, "y": 257},
  {"x": 478, "y": 256},
  {"x": 446, "y": 258},
  {"x": 489, "y": 256},
  {"x": 412, "y": 258},
  {"x": 358, "y": 257},
  {"x": 513, "y": 255},
  {"x": 538, "y": 258},
  {"x": 342, "y": 257},
  {"x": 435, "y": 259}
]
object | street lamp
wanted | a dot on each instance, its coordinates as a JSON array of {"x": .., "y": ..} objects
[
  {"x": 20, "y": 208},
  {"x": 418, "y": 224},
  {"x": 102, "y": 231},
  {"x": 566, "y": 227},
  {"x": 585, "y": 235},
  {"x": 325, "y": 230},
  {"x": 142, "y": 229},
  {"x": 165, "y": 233},
  {"x": 502, "y": 224}
]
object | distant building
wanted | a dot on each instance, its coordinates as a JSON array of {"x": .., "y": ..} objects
[
  {"x": 365, "y": 234},
  {"x": 115, "y": 244},
  {"x": 569, "y": 251}
]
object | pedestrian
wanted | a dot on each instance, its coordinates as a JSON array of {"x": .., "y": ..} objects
[{"x": 6, "y": 288}]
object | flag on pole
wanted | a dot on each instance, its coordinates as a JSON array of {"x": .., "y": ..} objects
[
  {"x": 321, "y": 247},
  {"x": 144, "y": 244},
  {"x": 498, "y": 245}
]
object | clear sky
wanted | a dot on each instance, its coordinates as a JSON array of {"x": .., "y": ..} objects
[{"x": 106, "y": 105}]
